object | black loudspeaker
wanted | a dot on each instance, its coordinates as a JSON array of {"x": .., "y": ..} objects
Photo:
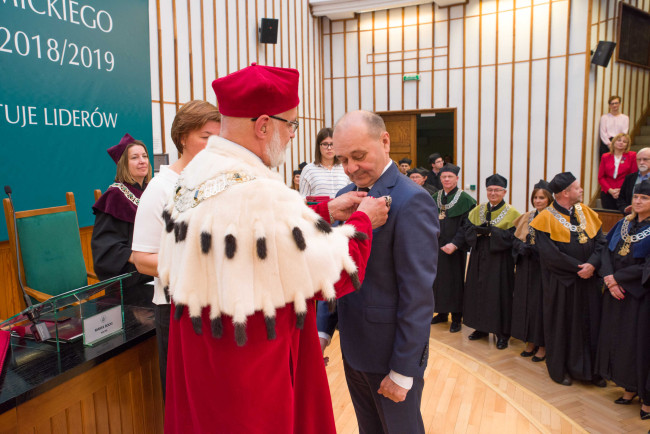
[
  {"x": 603, "y": 53},
  {"x": 269, "y": 31}
]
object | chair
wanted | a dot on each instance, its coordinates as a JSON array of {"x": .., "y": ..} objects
[{"x": 50, "y": 248}]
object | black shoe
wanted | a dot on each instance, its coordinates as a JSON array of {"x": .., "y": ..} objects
[
  {"x": 623, "y": 401},
  {"x": 538, "y": 359},
  {"x": 441, "y": 317},
  {"x": 455, "y": 327},
  {"x": 599, "y": 381},
  {"x": 566, "y": 381},
  {"x": 645, "y": 415},
  {"x": 476, "y": 335},
  {"x": 502, "y": 343},
  {"x": 528, "y": 353}
]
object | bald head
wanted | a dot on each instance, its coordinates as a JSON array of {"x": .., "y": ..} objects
[{"x": 362, "y": 145}]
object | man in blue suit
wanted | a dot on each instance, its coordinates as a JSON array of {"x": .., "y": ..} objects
[{"x": 384, "y": 327}]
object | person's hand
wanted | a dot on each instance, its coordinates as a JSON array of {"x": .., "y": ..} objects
[
  {"x": 586, "y": 270},
  {"x": 392, "y": 390},
  {"x": 323, "y": 345},
  {"x": 614, "y": 192},
  {"x": 342, "y": 207},
  {"x": 617, "y": 292},
  {"x": 375, "y": 209},
  {"x": 628, "y": 209},
  {"x": 482, "y": 230},
  {"x": 609, "y": 280},
  {"x": 449, "y": 248}
]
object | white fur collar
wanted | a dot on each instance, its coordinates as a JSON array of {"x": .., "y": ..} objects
[{"x": 253, "y": 246}]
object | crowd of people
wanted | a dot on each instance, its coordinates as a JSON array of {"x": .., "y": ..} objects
[{"x": 239, "y": 259}]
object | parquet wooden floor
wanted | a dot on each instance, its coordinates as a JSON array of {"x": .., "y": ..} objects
[{"x": 471, "y": 387}]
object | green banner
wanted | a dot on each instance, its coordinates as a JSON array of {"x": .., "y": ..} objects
[{"x": 74, "y": 78}]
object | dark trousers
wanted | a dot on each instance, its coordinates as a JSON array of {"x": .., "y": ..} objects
[
  {"x": 377, "y": 414},
  {"x": 608, "y": 201},
  {"x": 162, "y": 313},
  {"x": 455, "y": 316}
]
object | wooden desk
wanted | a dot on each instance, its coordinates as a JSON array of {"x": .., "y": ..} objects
[{"x": 113, "y": 387}]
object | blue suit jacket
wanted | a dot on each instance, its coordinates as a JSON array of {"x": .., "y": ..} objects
[{"x": 385, "y": 325}]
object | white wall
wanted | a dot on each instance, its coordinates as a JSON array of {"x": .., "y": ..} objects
[{"x": 192, "y": 54}]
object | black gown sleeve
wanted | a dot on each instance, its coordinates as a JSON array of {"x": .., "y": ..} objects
[
  {"x": 501, "y": 239},
  {"x": 630, "y": 277},
  {"x": 459, "y": 238},
  {"x": 563, "y": 266},
  {"x": 600, "y": 244},
  {"x": 111, "y": 248},
  {"x": 606, "y": 267}
]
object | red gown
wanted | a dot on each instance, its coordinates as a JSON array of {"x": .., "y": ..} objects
[{"x": 265, "y": 386}]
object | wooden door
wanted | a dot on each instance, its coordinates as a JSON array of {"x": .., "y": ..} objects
[{"x": 402, "y": 129}]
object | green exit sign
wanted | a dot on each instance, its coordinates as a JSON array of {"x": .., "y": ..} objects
[{"x": 413, "y": 77}]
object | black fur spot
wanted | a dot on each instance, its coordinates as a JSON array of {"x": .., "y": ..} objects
[
  {"x": 261, "y": 248},
  {"x": 360, "y": 236},
  {"x": 206, "y": 242},
  {"x": 240, "y": 334},
  {"x": 178, "y": 312},
  {"x": 300, "y": 320},
  {"x": 331, "y": 305},
  {"x": 169, "y": 226},
  {"x": 180, "y": 231},
  {"x": 323, "y": 226},
  {"x": 167, "y": 296},
  {"x": 217, "y": 327},
  {"x": 197, "y": 324},
  {"x": 270, "y": 327},
  {"x": 299, "y": 238},
  {"x": 354, "y": 277},
  {"x": 231, "y": 246},
  {"x": 166, "y": 216}
]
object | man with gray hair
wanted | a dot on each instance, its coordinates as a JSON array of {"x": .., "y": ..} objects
[
  {"x": 385, "y": 326},
  {"x": 624, "y": 201}
]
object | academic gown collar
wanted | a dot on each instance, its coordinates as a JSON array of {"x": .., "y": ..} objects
[
  {"x": 491, "y": 208},
  {"x": 561, "y": 209}
]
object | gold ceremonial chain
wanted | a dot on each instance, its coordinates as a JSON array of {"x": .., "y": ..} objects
[
  {"x": 129, "y": 195},
  {"x": 531, "y": 231},
  {"x": 187, "y": 198},
  {"x": 582, "y": 237},
  {"x": 443, "y": 208},
  {"x": 483, "y": 209},
  {"x": 629, "y": 239}
]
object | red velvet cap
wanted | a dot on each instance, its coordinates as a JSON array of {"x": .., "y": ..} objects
[
  {"x": 116, "y": 151},
  {"x": 257, "y": 90}
]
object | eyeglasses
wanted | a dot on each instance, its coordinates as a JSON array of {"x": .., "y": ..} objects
[
  {"x": 642, "y": 159},
  {"x": 329, "y": 145},
  {"x": 494, "y": 190},
  {"x": 293, "y": 125}
]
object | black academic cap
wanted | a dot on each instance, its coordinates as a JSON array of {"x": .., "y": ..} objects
[
  {"x": 405, "y": 160},
  {"x": 302, "y": 165},
  {"x": 561, "y": 181},
  {"x": 450, "y": 168},
  {"x": 434, "y": 157},
  {"x": 497, "y": 180},
  {"x": 543, "y": 185},
  {"x": 643, "y": 187}
]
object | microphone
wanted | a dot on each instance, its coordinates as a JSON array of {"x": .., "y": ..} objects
[{"x": 39, "y": 330}]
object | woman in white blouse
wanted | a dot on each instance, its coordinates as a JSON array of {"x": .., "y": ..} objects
[{"x": 325, "y": 176}]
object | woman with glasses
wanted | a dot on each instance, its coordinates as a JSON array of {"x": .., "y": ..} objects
[{"x": 325, "y": 176}]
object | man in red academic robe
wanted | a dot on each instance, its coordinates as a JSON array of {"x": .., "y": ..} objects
[{"x": 243, "y": 259}]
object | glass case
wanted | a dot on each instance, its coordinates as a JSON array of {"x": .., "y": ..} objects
[{"x": 91, "y": 313}]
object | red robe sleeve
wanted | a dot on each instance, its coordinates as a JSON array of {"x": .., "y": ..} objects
[{"x": 359, "y": 249}]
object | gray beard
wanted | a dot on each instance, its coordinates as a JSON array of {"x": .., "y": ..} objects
[
  {"x": 643, "y": 168},
  {"x": 276, "y": 151}
]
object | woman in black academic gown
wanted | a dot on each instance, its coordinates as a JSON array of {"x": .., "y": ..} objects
[
  {"x": 527, "y": 324},
  {"x": 624, "y": 343},
  {"x": 115, "y": 212}
]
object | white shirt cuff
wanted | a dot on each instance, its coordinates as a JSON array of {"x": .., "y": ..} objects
[
  {"x": 401, "y": 380},
  {"x": 325, "y": 336}
]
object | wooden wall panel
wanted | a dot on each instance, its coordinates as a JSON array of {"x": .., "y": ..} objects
[
  {"x": 122, "y": 394},
  {"x": 620, "y": 79},
  {"x": 517, "y": 71},
  {"x": 197, "y": 41}
]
